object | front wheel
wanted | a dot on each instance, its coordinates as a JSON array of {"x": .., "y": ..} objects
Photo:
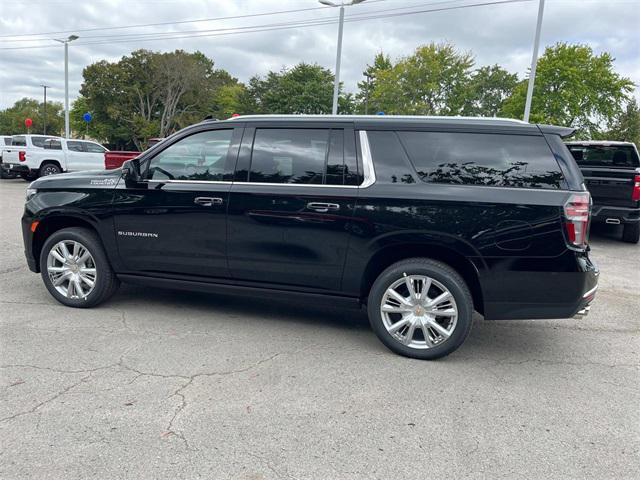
[
  {"x": 631, "y": 232},
  {"x": 75, "y": 269},
  {"x": 420, "y": 308}
]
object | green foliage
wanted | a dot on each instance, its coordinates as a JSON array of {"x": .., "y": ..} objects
[
  {"x": 432, "y": 81},
  {"x": 303, "y": 89},
  {"x": 12, "y": 119},
  {"x": 626, "y": 126},
  {"x": 488, "y": 88},
  {"x": 381, "y": 63},
  {"x": 573, "y": 87}
]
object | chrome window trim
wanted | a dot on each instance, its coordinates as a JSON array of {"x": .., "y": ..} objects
[{"x": 367, "y": 163}]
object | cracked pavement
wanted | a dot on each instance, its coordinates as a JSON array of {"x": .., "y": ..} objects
[{"x": 167, "y": 384}]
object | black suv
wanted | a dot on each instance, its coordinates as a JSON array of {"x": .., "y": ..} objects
[{"x": 422, "y": 220}]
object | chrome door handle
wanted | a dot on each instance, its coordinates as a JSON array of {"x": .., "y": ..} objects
[
  {"x": 208, "y": 201},
  {"x": 322, "y": 207}
]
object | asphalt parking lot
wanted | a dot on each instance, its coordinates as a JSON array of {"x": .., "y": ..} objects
[{"x": 165, "y": 384}]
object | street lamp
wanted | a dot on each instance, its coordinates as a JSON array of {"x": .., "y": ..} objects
[
  {"x": 44, "y": 113},
  {"x": 534, "y": 62},
  {"x": 336, "y": 82},
  {"x": 71, "y": 38}
]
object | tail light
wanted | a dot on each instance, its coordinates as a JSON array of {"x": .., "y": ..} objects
[
  {"x": 577, "y": 211},
  {"x": 22, "y": 156},
  {"x": 635, "y": 195}
]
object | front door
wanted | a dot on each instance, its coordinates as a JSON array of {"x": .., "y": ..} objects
[
  {"x": 291, "y": 204},
  {"x": 175, "y": 220}
]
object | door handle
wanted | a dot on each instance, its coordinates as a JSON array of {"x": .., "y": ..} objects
[
  {"x": 208, "y": 201},
  {"x": 322, "y": 207}
]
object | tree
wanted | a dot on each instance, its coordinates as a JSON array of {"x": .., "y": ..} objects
[
  {"x": 573, "y": 87},
  {"x": 381, "y": 63},
  {"x": 149, "y": 94},
  {"x": 432, "y": 81},
  {"x": 12, "y": 119},
  {"x": 626, "y": 126},
  {"x": 489, "y": 87},
  {"x": 303, "y": 89}
]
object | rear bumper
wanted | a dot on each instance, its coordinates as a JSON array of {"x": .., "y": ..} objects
[
  {"x": 526, "y": 295},
  {"x": 16, "y": 168},
  {"x": 614, "y": 215}
]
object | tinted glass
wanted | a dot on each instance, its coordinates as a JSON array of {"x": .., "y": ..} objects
[
  {"x": 389, "y": 159},
  {"x": 19, "y": 141},
  {"x": 483, "y": 159},
  {"x": 201, "y": 156},
  {"x": 335, "y": 160},
  {"x": 621, "y": 156},
  {"x": 289, "y": 155},
  {"x": 94, "y": 147},
  {"x": 53, "y": 145},
  {"x": 7, "y": 140},
  {"x": 75, "y": 146},
  {"x": 38, "y": 141},
  {"x": 351, "y": 174}
]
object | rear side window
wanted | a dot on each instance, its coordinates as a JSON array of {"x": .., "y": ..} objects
[
  {"x": 390, "y": 162},
  {"x": 19, "y": 141},
  {"x": 38, "y": 141},
  {"x": 53, "y": 144},
  {"x": 7, "y": 140},
  {"x": 292, "y": 156},
  {"x": 75, "y": 146},
  {"x": 612, "y": 156},
  {"x": 94, "y": 147},
  {"x": 483, "y": 159}
]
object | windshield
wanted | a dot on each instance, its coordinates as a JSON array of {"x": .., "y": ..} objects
[{"x": 613, "y": 156}]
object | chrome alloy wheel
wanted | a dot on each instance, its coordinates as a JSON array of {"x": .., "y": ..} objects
[
  {"x": 71, "y": 269},
  {"x": 418, "y": 311}
]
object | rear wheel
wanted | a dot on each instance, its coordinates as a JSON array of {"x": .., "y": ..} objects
[
  {"x": 420, "y": 308},
  {"x": 75, "y": 269},
  {"x": 49, "y": 168},
  {"x": 631, "y": 232}
]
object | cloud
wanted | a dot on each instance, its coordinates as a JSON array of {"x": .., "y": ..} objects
[{"x": 500, "y": 34}]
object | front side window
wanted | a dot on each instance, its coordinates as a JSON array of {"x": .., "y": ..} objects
[
  {"x": 282, "y": 155},
  {"x": 94, "y": 147},
  {"x": 19, "y": 141},
  {"x": 612, "y": 156},
  {"x": 201, "y": 156},
  {"x": 75, "y": 146},
  {"x": 483, "y": 159}
]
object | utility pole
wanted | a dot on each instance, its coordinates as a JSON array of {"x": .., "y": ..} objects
[
  {"x": 44, "y": 113},
  {"x": 336, "y": 81},
  {"x": 534, "y": 62},
  {"x": 71, "y": 38}
]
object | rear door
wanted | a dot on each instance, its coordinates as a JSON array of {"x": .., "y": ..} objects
[
  {"x": 609, "y": 172},
  {"x": 291, "y": 204},
  {"x": 76, "y": 156},
  {"x": 94, "y": 156}
]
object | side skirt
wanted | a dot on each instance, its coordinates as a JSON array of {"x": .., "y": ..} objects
[{"x": 235, "y": 289}]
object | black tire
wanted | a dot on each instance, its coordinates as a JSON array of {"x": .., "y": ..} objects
[
  {"x": 106, "y": 281},
  {"x": 28, "y": 177},
  {"x": 49, "y": 168},
  {"x": 435, "y": 270},
  {"x": 631, "y": 232}
]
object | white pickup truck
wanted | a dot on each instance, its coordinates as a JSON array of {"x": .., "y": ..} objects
[{"x": 33, "y": 156}]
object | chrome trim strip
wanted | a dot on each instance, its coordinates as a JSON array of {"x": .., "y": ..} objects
[
  {"x": 593, "y": 290},
  {"x": 205, "y": 182},
  {"x": 367, "y": 161}
]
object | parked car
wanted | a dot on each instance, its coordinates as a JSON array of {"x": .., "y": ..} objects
[
  {"x": 5, "y": 141},
  {"x": 422, "y": 220},
  {"x": 115, "y": 159},
  {"x": 33, "y": 156},
  {"x": 612, "y": 174}
]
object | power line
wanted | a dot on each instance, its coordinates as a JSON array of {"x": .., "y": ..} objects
[{"x": 272, "y": 27}]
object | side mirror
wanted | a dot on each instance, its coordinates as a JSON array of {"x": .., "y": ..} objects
[{"x": 131, "y": 170}]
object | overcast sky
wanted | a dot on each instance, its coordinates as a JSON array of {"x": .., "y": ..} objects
[{"x": 500, "y": 34}]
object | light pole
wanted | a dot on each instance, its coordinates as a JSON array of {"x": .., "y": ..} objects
[
  {"x": 71, "y": 38},
  {"x": 534, "y": 63},
  {"x": 44, "y": 113},
  {"x": 336, "y": 82}
]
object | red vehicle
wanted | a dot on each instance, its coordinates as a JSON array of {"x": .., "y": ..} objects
[{"x": 115, "y": 159}]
